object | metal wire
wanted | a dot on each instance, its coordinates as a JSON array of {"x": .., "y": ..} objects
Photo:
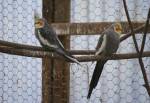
[
  {"x": 20, "y": 77},
  {"x": 121, "y": 81}
]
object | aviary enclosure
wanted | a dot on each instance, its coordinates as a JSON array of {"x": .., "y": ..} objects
[{"x": 29, "y": 74}]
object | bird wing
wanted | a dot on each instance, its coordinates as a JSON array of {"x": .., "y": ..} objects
[
  {"x": 60, "y": 42},
  {"x": 44, "y": 41},
  {"x": 101, "y": 44},
  {"x": 56, "y": 39},
  {"x": 51, "y": 39}
]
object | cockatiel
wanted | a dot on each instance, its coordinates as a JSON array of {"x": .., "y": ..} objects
[
  {"x": 49, "y": 40},
  {"x": 108, "y": 44}
]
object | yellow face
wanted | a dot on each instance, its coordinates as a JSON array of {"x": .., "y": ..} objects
[
  {"x": 39, "y": 23},
  {"x": 118, "y": 28}
]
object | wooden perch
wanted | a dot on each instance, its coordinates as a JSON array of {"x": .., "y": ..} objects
[
  {"x": 86, "y": 58},
  {"x": 113, "y": 57}
]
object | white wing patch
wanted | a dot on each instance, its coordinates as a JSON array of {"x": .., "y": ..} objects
[
  {"x": 100, "y": 50},
  {"x": 60, "y": 42},
  {"x": 45, "y": 42}
]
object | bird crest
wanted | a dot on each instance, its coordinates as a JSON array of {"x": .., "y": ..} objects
[{"x": 39, "y": 22}]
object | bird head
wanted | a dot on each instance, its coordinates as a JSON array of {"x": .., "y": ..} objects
[
  {"x": 39, "y": 23},
  {"x": 117, "y": 28}
]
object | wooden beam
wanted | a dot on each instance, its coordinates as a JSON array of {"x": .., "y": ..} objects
[
  {"x": 47, "y": 66},
  {"x": 46, "y": 81},
  {"x": 62, "y": 77},
  {"x": 57, "y": 11},
  {"x": 91, "y": 28}
]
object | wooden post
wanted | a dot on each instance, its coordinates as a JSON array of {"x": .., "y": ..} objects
[{"x": 55, "y": 89}]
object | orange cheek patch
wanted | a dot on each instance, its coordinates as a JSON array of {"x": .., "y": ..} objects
[
  {"x": 40, "y": 23},
  {"x": 118, "y": 29}
]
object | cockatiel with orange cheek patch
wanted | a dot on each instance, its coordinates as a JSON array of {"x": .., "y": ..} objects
[
  {"x": 49, "y": 40},
  {"x": 107, "y": 45}
]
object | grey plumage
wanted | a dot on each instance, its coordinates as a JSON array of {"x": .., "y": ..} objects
[
  {"x": 108, "y": 43},
  {"x": 49, "y": 40}
]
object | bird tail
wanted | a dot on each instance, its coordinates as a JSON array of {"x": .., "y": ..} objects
[
  {"x": 72, "y": 58},
  {"x": 96, "y": 75},
  {"x": 68, "y": 56}
]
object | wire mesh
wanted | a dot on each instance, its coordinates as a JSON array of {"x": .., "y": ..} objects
[
  {"x": 20, "y": 77},
  {"x": 122, "y": 80}
]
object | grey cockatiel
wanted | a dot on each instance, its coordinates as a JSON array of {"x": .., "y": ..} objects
[
  {"x": 108, "y": 43},
  {"x": 49, "y": 40}
]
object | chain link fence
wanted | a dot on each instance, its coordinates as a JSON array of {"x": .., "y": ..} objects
[
  {"x": 20, "y": 77},
  {"x": 121, "y": 80}
]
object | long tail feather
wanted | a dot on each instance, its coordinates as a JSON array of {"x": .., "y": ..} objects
[
  {"x": 96, "y": 75},
  {"x": 71, "y": 58},
  {"x": 68, "y": 56}
]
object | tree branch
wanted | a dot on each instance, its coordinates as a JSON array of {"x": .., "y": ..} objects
[
  {"x": 129, "y": 33},
  {"x": 113, "y": 57},
  {"x": 24, "y": 52},
  {"x": 86, "y": 58},
  {"x": 130, "y": 25},
  {"x": 20, "y": 46},
  {"x": 145, "y": 32}
]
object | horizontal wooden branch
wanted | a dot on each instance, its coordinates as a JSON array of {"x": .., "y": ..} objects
[
  {"x": 24, "y": 52},
  {"x": 90, "y": 28},
  {"x": 86, "y": 58},
  {"x": 20, "y": 46},
  {"x": 113, "y": 57}
]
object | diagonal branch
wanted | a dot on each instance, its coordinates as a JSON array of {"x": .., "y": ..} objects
[
  {"x": 129, "y": 33},
  {"x": 143, "y": 43},
  {"x": 130, "y": 25},
  {"x": 145, "y": 32},
  {"x": 137, "y": 49}
]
